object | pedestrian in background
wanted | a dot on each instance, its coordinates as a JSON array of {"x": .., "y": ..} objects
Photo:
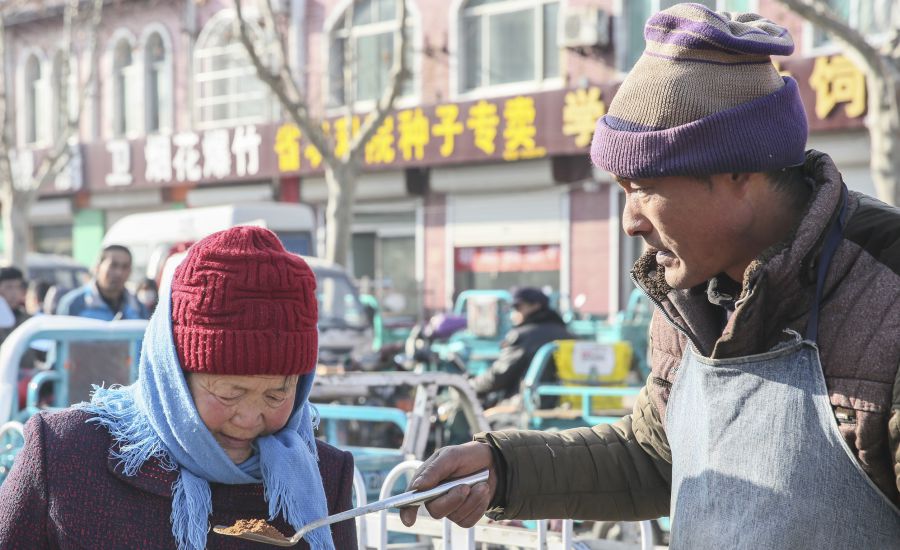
[
  {"x": 534, "y": 324},
  {"x": 12, "y": 291},
  {"x": 147, "y": 294},
  {"x": 105, "y": 297},
  {"x": 34, "y": 298}
]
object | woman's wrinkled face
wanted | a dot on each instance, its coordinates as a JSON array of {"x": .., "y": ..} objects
[{"x": 238, "y": 409}]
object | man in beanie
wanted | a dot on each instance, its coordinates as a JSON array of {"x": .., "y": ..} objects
[
  {"x": 535, "y": 324},
  {"x": 217, "y": 427},
  {"x": 771, "y": 418}
]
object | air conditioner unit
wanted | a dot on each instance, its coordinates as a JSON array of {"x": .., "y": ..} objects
[{"x": 584, "y": 27}]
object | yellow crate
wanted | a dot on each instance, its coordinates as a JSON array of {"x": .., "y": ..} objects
[{"x": 580, "y": 363}]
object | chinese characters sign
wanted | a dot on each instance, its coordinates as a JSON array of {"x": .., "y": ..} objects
[
  {"x": 224, "y": 154},
  {"x": 837, "y": 80},
  {"x": 504, "y": 129}
]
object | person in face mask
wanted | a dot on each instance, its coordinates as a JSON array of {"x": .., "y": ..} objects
[{"x": 148, "y": 294}]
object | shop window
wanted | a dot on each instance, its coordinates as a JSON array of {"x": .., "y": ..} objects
[
  {"x": 398, "y": 291},
  {"x": 385, "y": 268},
  {"x": 635, "y": 14},
  {"x": 228, "y": 92},
  {"x": 364, "y": 245},
  {"x": 37, "y": 102},
  {"x": 872, "y": 18},
  {"x": 126, "y": 100},
  {"x": 61, "y": 92},
  {"x": 491, "y": 29},
  {"x": 157, "y": 84},
  {"x": 371, "y": 34},
  {"x": 506, "y": 267},
  {"x": 52, "y": 239}
]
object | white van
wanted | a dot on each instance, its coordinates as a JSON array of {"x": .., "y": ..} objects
[{"x": 153, "y": 236}]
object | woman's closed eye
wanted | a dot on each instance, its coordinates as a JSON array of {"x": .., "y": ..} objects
[
  {"x": 229, "y": 399},
  {"x": 276, "y": 399}
]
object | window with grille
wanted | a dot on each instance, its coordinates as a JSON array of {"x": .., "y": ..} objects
[
  {"x": 228, "y": 91},
  {"x": 508, "y": 41},
  {"x": 369, "y": 29},
  {"x": 157, "y": 84},
  {"x": 635, "y": 14},
  {"x": 872, "y": 18}
]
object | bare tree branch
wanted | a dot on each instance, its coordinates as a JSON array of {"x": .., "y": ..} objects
[
  {"x": 348, "y": 89},
  {"x": 282, "y": 84},
  {"x": 820, "y": 15},
  {"x": 341, "y": 173},
  {"x": 61, "y": 152},
  {"x": 390, "y": 94},
  {"x": 882, "y": 70},
  {"x": 6, "y": 173}
]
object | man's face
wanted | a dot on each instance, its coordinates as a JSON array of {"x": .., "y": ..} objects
[
  {"x": 13, "y": 291},
  {"x": 521, "y": 310},
  {"x": 698, "y": 228},
  {"x": 113, "y": 271}
]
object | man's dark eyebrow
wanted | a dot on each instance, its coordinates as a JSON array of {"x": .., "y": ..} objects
[{"x": 621, "y": 181}]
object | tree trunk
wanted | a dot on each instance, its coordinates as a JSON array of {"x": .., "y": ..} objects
[
  {"x": 16, "y": 204},
  {"x": 341, "y": 180},
  {"x": 883, "y": 122}
]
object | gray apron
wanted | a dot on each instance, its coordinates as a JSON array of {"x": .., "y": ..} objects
[{"x": 757, "y": 458}]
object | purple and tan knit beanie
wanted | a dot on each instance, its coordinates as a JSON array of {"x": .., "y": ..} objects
[
  {"x": 704, "y": 98},
  {"x": 242, "y": 304}
]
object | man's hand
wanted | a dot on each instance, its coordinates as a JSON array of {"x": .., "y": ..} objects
[{"x": 462, "y": 505}]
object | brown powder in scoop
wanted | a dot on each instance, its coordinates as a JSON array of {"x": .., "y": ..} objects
[{"x": 255, "y": 526}]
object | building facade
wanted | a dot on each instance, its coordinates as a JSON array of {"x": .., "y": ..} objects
[{"x": 479, "y": 178}]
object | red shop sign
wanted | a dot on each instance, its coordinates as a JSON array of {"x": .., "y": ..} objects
[{"x": 495, "y": 259}]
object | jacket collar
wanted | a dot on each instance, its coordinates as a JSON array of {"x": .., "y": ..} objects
[
  {"x": 776, "y": 286},
  {"x": 92, "y": 299},
  {"x": 150, "y": 478}
]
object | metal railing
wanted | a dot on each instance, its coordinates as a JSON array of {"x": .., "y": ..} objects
[{"x": 373, "y": 530}]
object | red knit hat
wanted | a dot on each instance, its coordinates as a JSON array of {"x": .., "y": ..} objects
[{"x": 242, "y": 304}]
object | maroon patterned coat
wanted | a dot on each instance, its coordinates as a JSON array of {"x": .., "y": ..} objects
[{"x": 64, "y": 492}]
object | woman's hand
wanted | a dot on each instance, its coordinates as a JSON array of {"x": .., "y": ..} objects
[{"x": 463, "y": 505}]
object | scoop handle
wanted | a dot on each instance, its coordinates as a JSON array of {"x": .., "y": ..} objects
[{"x": 397, "y": 501}]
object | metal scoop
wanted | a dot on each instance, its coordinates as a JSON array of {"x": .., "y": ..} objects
[{"x": 398, "y": 501}]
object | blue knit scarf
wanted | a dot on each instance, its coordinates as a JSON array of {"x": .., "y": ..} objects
[{"x": 155, "y": 417}]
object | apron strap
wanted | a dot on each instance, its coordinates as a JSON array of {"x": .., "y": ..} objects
[{"x": 832, "y": 241}]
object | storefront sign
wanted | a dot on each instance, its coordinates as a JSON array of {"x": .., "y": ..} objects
[
  {"x": 488, "y": 259},
  {"x": 507, "y": 129},
  {"x": 837, "y": 80},
  {"x": 120, "y": 159},
  {"x": 833, "y": 90},
  {"x": 223, "y": 154}
]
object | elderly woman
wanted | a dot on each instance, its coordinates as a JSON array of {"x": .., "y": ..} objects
[{"x": 217, "y": 427}]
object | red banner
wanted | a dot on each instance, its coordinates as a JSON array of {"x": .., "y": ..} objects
[{"x": 495, "y": 259}]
